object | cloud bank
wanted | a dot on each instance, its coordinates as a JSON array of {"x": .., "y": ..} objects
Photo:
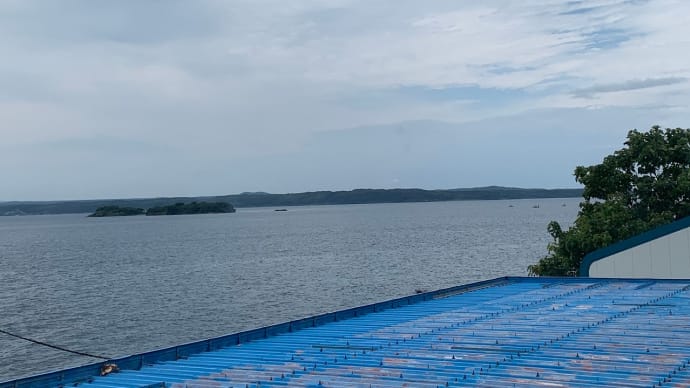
[{"x": 172, "y": 98}]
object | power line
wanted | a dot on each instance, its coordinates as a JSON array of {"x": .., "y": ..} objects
[{"x": 53, "y": 346}]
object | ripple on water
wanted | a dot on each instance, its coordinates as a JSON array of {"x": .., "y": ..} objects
[{"x": 117, "y": 286}]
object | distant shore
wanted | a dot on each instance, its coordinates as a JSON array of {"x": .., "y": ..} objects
[{"x": 260, "y": 199}]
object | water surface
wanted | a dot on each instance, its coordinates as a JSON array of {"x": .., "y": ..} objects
[{"x": 123, "y": 285}]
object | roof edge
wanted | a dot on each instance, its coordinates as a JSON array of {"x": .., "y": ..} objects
[
  {"x": 645, "y": 237},
  {"x": 84, "y": 373}
]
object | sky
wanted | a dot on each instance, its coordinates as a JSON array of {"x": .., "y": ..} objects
[{"x": 130, "y": 98}]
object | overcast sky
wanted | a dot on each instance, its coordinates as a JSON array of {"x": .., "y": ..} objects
[{"x": 105, "y": 99}]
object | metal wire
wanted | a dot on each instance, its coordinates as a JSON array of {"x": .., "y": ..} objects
[{"x": 53, "y": 346}]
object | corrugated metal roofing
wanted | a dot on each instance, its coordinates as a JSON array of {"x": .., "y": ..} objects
[{"x": 509, "y": 332}]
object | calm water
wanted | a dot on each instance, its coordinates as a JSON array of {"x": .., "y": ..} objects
[{"x": 117, "y": 286}]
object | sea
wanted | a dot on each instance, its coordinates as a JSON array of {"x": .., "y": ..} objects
[{"x": 125, "y": 285}]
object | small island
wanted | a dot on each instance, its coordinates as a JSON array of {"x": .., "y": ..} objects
[
  {"x": 191, "y": 208},
  {"x": 178, "y": 208},
  {"x": 117, "y": 211}
]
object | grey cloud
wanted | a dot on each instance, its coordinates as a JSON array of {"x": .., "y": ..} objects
[
  {"x": 232, "y": 90},
  {"x": 102, "y": 145},
  {"x": 533, "y": 149},
  {"x": 589, "y": 92},
  {"x": 128, "y": 21}
]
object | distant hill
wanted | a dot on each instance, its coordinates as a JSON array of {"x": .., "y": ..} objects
[{"x": 295, "y": 199}]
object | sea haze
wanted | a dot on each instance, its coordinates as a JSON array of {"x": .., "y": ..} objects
[{"x": 123, "y": 285}]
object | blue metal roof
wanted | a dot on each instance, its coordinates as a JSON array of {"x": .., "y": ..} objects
[
  {"x": 519, "y": 332},
  {"x": 632, "y": 242}
]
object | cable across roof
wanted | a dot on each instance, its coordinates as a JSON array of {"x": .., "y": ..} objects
[{"x": 507, "y": 332}]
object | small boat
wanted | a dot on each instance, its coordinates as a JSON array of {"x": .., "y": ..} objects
[{"x": 280, "y": 210}]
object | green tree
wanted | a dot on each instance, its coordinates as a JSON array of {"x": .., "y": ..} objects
[{"x": 639, "y": 187}]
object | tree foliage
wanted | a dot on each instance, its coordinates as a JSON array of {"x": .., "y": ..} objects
[
  {"x": 637, "y": 188},
  {"x": 191, "y": 208},
  {"x": 116, "y": 211}
]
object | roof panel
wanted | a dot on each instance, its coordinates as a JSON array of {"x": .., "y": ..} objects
[{"x": 508, "y": 332}]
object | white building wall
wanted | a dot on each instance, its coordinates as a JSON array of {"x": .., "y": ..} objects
[{"x": 666, "y": 257}]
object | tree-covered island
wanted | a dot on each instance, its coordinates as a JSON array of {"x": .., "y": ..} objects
[
  {"x": 175, "y": 209},
  {"x": 117, "y": 211},
  {"x": 191, "y": 208}
]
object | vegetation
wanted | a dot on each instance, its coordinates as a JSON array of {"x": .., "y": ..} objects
[
  {"x": 191, "y": 208},
  {"x": 639, "y": 187},
  {"x": 115, "y": 211},
  {"x": 297, "y": 199}
]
